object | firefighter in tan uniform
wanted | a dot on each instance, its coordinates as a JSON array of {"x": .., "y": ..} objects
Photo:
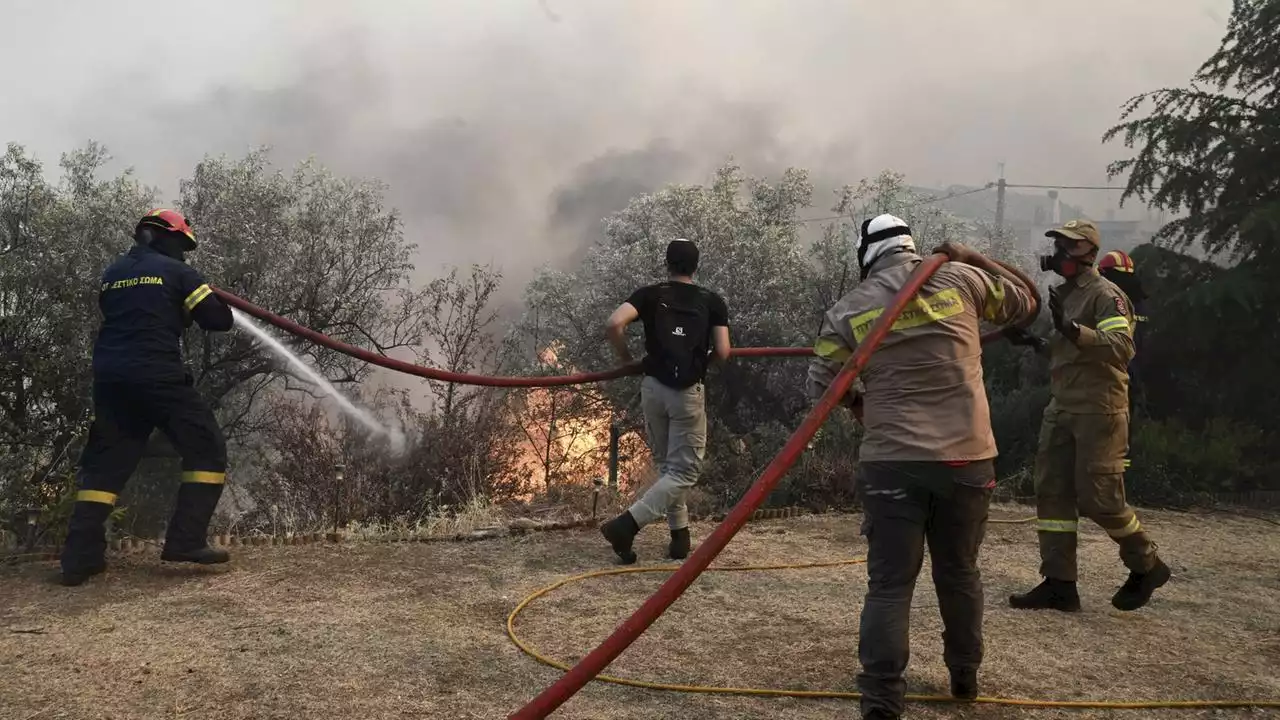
[
  {"x": 1085, "y": 433},
  {"x": 926, "y": 463}
]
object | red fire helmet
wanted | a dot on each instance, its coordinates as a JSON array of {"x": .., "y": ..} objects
[
  {"x": 1117, "y": 260},
  {"x": 171, "y": 220}
]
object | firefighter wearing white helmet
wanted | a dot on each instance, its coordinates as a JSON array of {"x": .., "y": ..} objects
[
  {"x": 926, "y": 472},
  {"x": 882, "y": 236}
]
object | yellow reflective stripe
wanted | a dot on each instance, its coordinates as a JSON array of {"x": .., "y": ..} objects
[
  {"x": 1129, "y": 528},
  {"x": 1127, "y": 462},
  {"x": 831, "y": 350},
  {"x": 1113, "y": 323},
  {"x": 96, "y": 496},
  {"x": 995, "y": 301},
  {"x": 196, "y": 296},
  {"x": 1062, "y": 526},
  {"x": 920, "y": 311},
  {"x": 202, "y": 476}
]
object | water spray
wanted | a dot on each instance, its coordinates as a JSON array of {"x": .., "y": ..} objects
[{"x": 394, "y": 435}]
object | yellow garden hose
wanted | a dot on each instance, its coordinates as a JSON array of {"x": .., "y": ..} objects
[{"x": 773, "y": 692}]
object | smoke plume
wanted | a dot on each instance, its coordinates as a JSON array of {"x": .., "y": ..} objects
[{"x": 507, "y": 129}]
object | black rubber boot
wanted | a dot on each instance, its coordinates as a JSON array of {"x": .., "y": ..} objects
[
  {"x": 187, "y": 537},
  {"x": 621, "y": 533},
  {"x": 964, "y": 683},
  {"x": 1049, "y": 595},
  {"x": 79, "y": 576},
  {"x": 1137, "y": 590},
  {"x": 84, "y": 553},
  {"x": 881, "y": 715},
  {"x": 679, "y": 547}
]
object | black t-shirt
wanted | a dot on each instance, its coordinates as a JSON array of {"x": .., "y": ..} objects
[{"x": 667, "y": 350}]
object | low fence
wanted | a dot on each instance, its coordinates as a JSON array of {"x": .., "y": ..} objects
[
  {"x": 1253, "y": 500},
  {"x": 14, "y": 551}
]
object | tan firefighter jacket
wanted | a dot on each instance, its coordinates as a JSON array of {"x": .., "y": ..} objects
[
  {"x": 923, "y": 397},
  {"x": 1091, "y": 375}
]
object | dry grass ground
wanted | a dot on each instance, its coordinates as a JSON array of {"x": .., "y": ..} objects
[{"x": 417, "y": 630}]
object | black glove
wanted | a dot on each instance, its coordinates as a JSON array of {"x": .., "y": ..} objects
[
  {"x": 1019, "y": 336},
  {"x": 1069, "y": 330},
  {"x": 188, "y": 379}
]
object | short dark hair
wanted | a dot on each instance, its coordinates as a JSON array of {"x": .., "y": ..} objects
[{"x": 682, "y": 257}]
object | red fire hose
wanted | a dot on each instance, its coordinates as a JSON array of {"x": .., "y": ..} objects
[
  {"x": 431, "y": 373},
  {"x": 626, "y": 633}
]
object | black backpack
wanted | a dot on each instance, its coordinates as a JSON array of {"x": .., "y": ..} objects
[{"x": 682, "y": 325}]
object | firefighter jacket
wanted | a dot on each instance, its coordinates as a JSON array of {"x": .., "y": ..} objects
[
  {"x": 1090, "y": 375},
  {"x": 923, "y": 397},
  {"x": 147, "y": 301}
]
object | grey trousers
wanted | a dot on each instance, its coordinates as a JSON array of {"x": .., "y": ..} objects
[{"x": 676, "y": 423}]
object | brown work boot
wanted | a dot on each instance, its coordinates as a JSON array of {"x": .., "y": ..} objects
[
  {"x": 1049, "y": 595},
  {"x": 621, "y": 533},
  {"x": 679, "y": 547},
  {"x": 1137, "y": 590}
]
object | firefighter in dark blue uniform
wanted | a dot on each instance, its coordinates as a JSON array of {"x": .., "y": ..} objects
[{"x": 149, "y": 296}]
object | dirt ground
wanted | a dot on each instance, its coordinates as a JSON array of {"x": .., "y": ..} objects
[{"x": 418, "y": 629}]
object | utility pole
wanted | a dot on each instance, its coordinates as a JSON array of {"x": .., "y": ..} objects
[
  {"x": 1000, "y": 186},
  {"x": 615, "y": 433}
]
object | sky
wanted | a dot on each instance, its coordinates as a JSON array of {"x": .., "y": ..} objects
[{"x": 507, "y": 128}]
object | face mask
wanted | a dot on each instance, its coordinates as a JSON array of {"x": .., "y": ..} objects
[{"x": 1060, "y": 262}]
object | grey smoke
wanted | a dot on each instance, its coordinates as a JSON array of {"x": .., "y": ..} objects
[{"x": 507, "y": 129}]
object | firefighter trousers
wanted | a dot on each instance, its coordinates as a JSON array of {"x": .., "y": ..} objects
[
  {"x": 906, "y": 505},
  {"x": 1080, "y": 471},
  {"x": 125, "y": 415}
]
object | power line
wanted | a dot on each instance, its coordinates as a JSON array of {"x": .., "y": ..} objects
[
  {"x": 1066, "y": 187},
  {"x": 908, "y": 206},
  {"x": 988, "y": 186}
]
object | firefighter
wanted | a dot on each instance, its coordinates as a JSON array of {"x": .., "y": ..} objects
[
  {"x": 1085, "y": 432},
  {"x": 148, "y": 297},
  {"x": 926, "y": 466},
  {"x": 1118, "y": 267}
]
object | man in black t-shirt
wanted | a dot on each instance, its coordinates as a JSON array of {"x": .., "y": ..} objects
[{"x": 683, "y": 324}]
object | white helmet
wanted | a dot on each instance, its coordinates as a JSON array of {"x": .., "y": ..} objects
[{"x": 882, "y": 235}]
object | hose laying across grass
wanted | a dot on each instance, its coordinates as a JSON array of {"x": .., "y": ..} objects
[{"x": 532, "y": 652}]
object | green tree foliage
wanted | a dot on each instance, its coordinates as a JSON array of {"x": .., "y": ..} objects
[
  {"x": 1210, "y": 153},
  {"x": 318, "y": 249},
  {"x": 56, "y": 240},
  {"x": 1211, "y": 150},
  {"x": 776, "y": 282}
]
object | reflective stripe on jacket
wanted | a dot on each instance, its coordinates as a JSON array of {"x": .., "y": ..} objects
[
  {"x": 923, "y": 394},
  {"x": 1091, "y": 375},
  {"x": 147, "y": 301}
]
